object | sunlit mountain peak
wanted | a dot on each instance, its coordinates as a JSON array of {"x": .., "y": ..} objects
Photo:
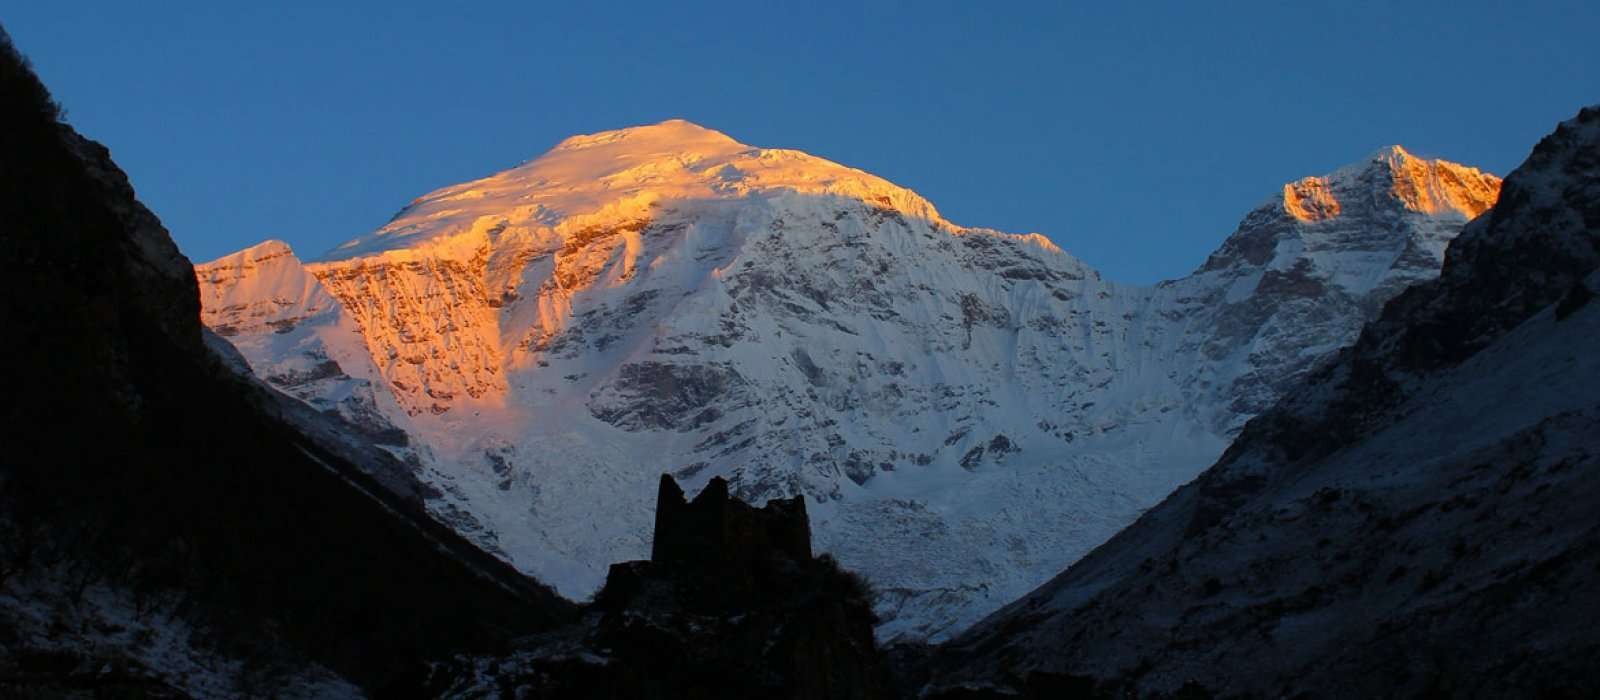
[
  {"x": 1430, "y": 186},
  {"x": 621, "y": 175}
]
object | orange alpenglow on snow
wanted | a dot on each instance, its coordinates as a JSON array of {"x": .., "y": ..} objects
[
  {"x": 620, "y": 175},
  {"x": 441, "y": 294},
  {"x": 1430, "y": 186},
  {"x": 1309, "y": 199},
  {"x": 434, "y": 288}
]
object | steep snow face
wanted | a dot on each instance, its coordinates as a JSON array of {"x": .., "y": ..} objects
[
  {"x": 968, "y": 410},
  {"x": 299, "y": 337}
]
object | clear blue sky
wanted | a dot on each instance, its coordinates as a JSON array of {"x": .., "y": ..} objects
[{"x": 1133, "y": 134}]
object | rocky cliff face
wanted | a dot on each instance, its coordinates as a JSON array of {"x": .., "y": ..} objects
[
  {"x": 167, "y": 526},
  {"x": 1412, "y": 519},
  {"x": 265, "y": 303},
  {"x": 966, "y": 410},
  {"x": 730, "y": 604}
]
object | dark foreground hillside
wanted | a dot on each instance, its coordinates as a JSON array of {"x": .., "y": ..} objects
[
  {"x": 731, "y": 604},
  {"x": 1418, "y": 519},
  {"x": 155, "y": 508}
]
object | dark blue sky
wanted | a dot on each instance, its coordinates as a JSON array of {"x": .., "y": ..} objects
[{"x": 1135, "y": 135}]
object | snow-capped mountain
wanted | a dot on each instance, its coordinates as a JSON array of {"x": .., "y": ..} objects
[
  {"x": 1416, "y": 518},
  {"x": 969, "y": 411}
]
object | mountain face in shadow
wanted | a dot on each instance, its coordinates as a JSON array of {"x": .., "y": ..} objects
[
  {"x": 158, "y": 510},
  {"x": 1415, "y": 519}
]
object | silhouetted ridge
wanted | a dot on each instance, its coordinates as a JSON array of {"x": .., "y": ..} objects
[{"x": 138, "y": 466}]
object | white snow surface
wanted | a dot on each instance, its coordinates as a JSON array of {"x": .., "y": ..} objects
[
  {"x": 967, "y": 411},
  {"x": 1494, "y": 456}
]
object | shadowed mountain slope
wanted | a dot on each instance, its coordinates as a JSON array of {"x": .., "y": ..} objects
[
  {"x": 1415, "y": 519},
  {"x": 138, "y": 467}
]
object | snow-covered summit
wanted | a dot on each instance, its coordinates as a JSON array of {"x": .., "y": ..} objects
[
  {"x": 1430, "y": 186},
  {"x": 1381, "y": 221},
  {"x": 1415, "y": 516},
  {"x": 968, "y": 410},
  {"x": 1438, "y": 187},
  {"x": 622, "y": 174}
]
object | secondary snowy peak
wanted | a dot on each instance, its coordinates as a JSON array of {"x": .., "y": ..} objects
[
  {"x": 1304, "y": 270},
  {"x": 1383, "y": 220},
  {"x": 1431, "y": 186},
  {"x": 621, "y": 175},
  {"x": 1438, "y": 187},
  {"x": 1450, "y": 450},
  {"x": 263, "y": 285}
]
